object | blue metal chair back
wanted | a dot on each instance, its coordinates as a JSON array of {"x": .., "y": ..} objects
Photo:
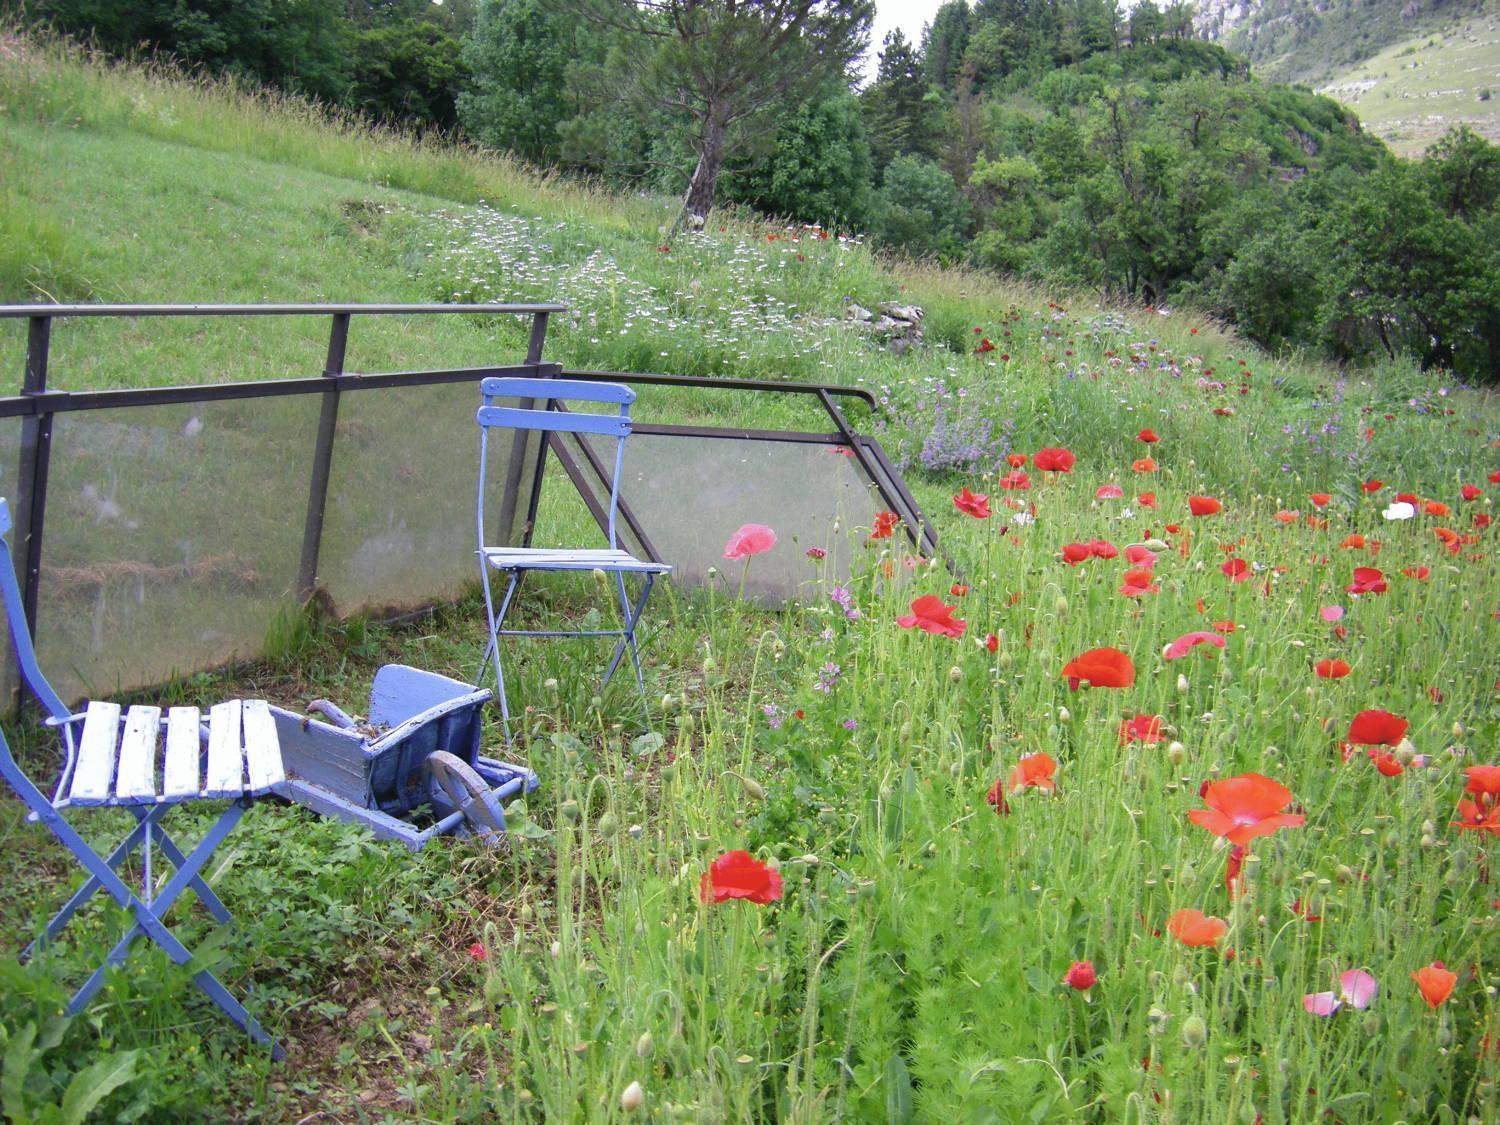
[
  {"x": 20, "y": 632},
  {"x": 550, "y": 420}
]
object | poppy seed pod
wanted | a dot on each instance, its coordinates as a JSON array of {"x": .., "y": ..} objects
[
  {"x": 1194, "y": 1032},
  {"x": 645, "y": 1045},
  {"x": 632, "y": 1097}
]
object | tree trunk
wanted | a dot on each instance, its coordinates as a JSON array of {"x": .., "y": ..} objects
[{"x": 699, "y": 200}]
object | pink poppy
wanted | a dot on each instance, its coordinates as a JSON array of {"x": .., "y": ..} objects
[
  {"x": 750, "y": 539},
  {"x": 1188, "y": 641},
  {"x": 1140, "y": 556},
  {"x": 1109, "y": 492}
]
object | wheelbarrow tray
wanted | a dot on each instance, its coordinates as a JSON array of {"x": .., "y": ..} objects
[{"x": 375, "y": 773}]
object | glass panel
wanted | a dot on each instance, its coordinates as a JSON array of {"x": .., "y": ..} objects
[
  {"x": 690, "y": 494},
  {"x": 10, "y": 477},
  {"x": 173, "y": 538},
  {"x": 398, "y": 530}
]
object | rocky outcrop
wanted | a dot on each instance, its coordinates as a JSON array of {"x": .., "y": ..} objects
[{"x": 897, "y": 325}]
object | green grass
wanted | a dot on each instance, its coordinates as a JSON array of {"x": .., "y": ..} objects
[
  {"x": 1414, "y": 91},
  {"x": 911, "y": 968}
]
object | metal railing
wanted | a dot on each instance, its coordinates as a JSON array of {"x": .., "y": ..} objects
[{"x": 38, "y": 406}]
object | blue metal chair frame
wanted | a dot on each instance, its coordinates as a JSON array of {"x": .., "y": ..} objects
[
  {"x": 150, "y": 906},
  {"x": 517, "y": 561}
]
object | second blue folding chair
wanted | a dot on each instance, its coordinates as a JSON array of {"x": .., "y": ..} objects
[{"x": 516, "y": 562}]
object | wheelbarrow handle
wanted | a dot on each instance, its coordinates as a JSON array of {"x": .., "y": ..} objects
[{"x": 332, "y": 712}]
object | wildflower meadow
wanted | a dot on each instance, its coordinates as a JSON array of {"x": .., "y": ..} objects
[{"x": 1168, "y": 790}]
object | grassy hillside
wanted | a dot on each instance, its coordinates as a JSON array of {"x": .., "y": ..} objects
[
  {"x": 1413, "y": 91},
  {"x": 982, "y": 854}
]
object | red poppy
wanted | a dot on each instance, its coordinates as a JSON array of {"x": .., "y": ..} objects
[
  {"x": 1195, "y": 928},
  {"x": 1034, "y": 771},
  {"x": 1081, "y": 976},
  {"x": 1225, "y": 626},
  {"x": 738, "y": 874},
  {"x": 1420, "y": 573},
  {"x": 1108, "y": 492},
  {"x": 929, "y": 614},
  {"x": 1075, "y": 553},
  {"x": 1482, "y": 520},
  {"x": 958, "y": 590},
  {"x": 1353, "y": 542},
  {"x": 1015, "y": 481},
  {"x": 1052, "y": 460},
  {"x": 1204, "y": 505},
  {"x": 1334, "y": 669},
  {"x": 1320, "y": 499},
  {"x": 984, "y": 346},
  {"x": 972, "y": 504},
  {"x": 1494, "y": 477},
  {"x": 1146, "y": 499},
  {"x": 1102, "y": 549},
  {"x": 1474, "y": 816},
  {"x": 1435, "y": 982},
  {"x": 1408, "y": 498},
  {"x": 1143, "y": 465},
  {"x": 1142, "y": 728},
  {"x": 1100, "y": 667},
  {"x": 1237, "y": 570},
  {"x": 1246, "y": 806},
  {"x": 1377, "y": 728},
  {"x": 1484, "y": 783},
  {"x": 478, "y": 952},
  {"x": 1471, "y": 492},
  {"x": 1135, "y": 583},
  {"x": 1367, "y": 580},
  {"x": 1303, "y": 911},
  {"x": 992, "y": 642},
  {"x": 816, "y": 553},
  {"x": 1386, "y": 762},
  {"x": 885, "y": 525},
  {"x": 1286, "y": 516},
  {"x": 1138, "y": 554},
  {"x": 1437, "y": 508},
  {"x": 1148, "y": 436},
  {"x": 1016, "y": 460},
  {"x": 1373, "y": 485}
]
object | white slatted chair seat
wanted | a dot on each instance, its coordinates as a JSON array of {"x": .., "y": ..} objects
[
  {"x": 146, "y": 761},
  {"x": 543, "y": 558}
]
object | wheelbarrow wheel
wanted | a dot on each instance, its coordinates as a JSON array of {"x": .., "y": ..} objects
[{"x": 470, "y": 794}]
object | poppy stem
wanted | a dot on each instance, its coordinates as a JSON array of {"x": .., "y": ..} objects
[{"x": 744, "y": 575}]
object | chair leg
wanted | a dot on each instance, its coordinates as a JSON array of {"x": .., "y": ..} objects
[
  {"x": 497, "y": 622},
  {"x": 147, "y": 829},
  {"x": 148, "y": 916},
  {"x": 90, "y": 887},
  {"x": 627, "y": 638}
]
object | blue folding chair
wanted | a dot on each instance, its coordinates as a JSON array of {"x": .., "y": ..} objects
[
  {"x": 517, "y": 561},
  {"x": 145, "y": 765}
]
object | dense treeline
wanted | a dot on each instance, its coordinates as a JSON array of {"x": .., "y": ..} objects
[{"x": 1057, "y": 139}]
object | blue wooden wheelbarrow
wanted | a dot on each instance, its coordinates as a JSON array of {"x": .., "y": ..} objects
[{"x": 411, "y": 770}]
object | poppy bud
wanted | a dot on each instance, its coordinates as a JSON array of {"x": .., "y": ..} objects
[
  {"x": 1081, "y": 975},
  {"x": 752, "y": 787},
  {"x": 632, "y": 1097},
  {"x": 666, "y": 703},
  {"x": 1181, "y": 975},
  {"x": 1458, "y": 730},
  {"x": 710, "y": 664},
  {"x": 599, "y": 576},
  {"x": 1428, "y": 840},
  {"x": 1182, "y": 684},
  {"x": 1176, "y": 752},
  {"x": 1062, "y": 607},
  {"x": 1405, "y": 752},
  {"x": 1194, "y": 1032},
  {"x": 1444, "y": 1035},
  {"x": 524, "y": 1096},
  {"x": 527, "y": 911},
  {"x": 1064, "y": 715},
  {"x": 712, "y": 572},
  {"x": 550, "y": 683},
  {"x": 1428, "y": 828},
  {"x": 635, "y": 831},
  {"x": 556, "y": 950},
  {"x": 955, "y": 673},
  {"x": 1372, "y": 1022},
  {"x": 1344, "y": 873},
  {"x": 596, "y": 702},
  {"x": 645, "y": 1045},
  {"x": 569, "y": 810},
  {"x": 607, "y": 824}
]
